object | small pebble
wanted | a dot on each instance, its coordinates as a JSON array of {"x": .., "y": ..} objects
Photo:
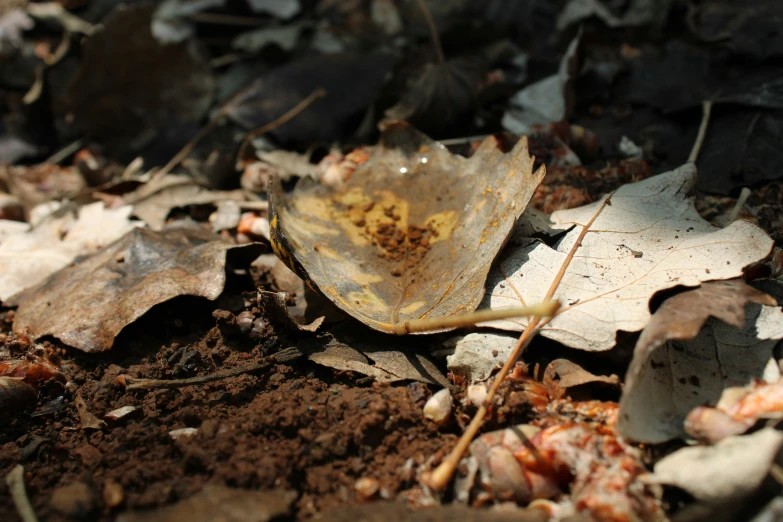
[
  {"x": 113, "y": 494},
  {"x": 183, "y": 432},
  {"x": 366, "y": 487},
  {"x": 438, "y": 407},
  {"x": 120, "y": 412},
  {"x": 477, "y": 393}
]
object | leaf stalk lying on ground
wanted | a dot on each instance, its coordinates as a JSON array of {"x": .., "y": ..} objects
[
  {"x": 438, "y": 479},
  {"x": 131, "y": 383},
  {"x": 546, "y": 309}
]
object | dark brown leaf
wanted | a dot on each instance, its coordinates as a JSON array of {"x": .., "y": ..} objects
[{"x": 87, "y": 304}]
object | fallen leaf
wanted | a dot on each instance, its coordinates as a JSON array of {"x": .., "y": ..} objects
[
  {"x": 220, "y": 504},
  {"x": 722, "y": 477},
  {"x": 13, "y": 21},
  {"x": 27, "y": 258},
  {"x": 86, "y": 417},
  {"x": 648, "y": 239},
  {"x": 87, "y": 304},
  {"x": 130, "y": 88},
  {"x": 411, "y": 234},
  {"x": 477, "y": 354},
  {"x": 684, "y": 359},
  {"x": 274, "y": 305},
  {"x": 283, "y": 9},
  {"x": 351, "y": 82},
  {"x": 546, "y": 101},
  {"x": 568, "y": 374},
  {"x": 384, "y": 358},
  {"x": 440, "y": 93},
  {"x": 153, "y": 201},
  {"x": 286, "y": 37}
]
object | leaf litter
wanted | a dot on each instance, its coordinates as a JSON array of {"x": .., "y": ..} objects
[{"x": 345, "y": 414}]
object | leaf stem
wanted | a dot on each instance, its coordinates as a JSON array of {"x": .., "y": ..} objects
[
  {"x": 546, "y": 308},
  {"x": 440, "y": 477},
  {"x": 706, "y": 108},
  {"x": 433, "y": 31}
]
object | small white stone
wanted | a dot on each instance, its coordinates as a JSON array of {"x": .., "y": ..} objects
[
  {"x": 183, "y": 432},
  {"x": 438, "y": 408},
  {"x": 476, "y": 394}
]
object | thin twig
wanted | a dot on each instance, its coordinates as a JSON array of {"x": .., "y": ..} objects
[
  {"x": 131, "y": 383},
  {"x": 706, "y": 109},
  {"x": 743, "y": 198},
  {"x": 433, "y": 31},
  {"x": 431, "y": 324},
  {"x": 15, "y": 482},
  {"x": 293, "y": 112},
  {"x": 440, "y": 477},
  {"x": 63, "y": 153}
]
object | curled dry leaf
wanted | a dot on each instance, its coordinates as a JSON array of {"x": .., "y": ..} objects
[
  {"x": 647, "y": 239},
  {"x": 220, "y": 503},
  {"x": 87, "y": 304},
  {"x": 546, "y": 101},
  {"x": 411, "y": 234},
  {"x": 722, "y": 477},
  {"x": 34, "y": 372},
  {"x": 568, "y": 374},
  {"x": 684, "y": 359}
]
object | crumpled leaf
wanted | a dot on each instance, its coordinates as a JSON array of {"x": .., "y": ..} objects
[
  {"x": 87, "y": 304},
  {"x": 411, "y": 234},
  {"x": 568, "y": 374},
  {"x": 220, "y": 504},
  {"x": 477, "y": 354},
  {"x": 719, "y": 477},
  {"x": 384, "y": 358},
  {"x": 684, "y": 359},
  {"x": 130, "y": 88},
  {"x": 648, "y": 239},
  {"x": 546, "y": 101},
  {"x": 29, "y": 257},
  {"x": 153, "y": 201},
  {"x": 36, "y": 184}
]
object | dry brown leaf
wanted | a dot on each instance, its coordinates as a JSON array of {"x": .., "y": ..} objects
[
  {"x": 274, "y": 305},
  {"x": 88, "y": 420},
  {"x": 696, "y": 344},
  {"x": 384, "y": 358},
  {"x": 568, "y": 374},
  {"x": 153, "y": 201},
  {"x": 411, "y": 234},
  {"x": 87, "y": 304}
]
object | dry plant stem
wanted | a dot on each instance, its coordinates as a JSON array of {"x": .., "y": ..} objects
[
  {"x": 286, "y": 355},
  {"x": 706, "y": 108},
  {"x": 63, "y": 153},
  {"x": 547, "y": 308},
  {"x": 302, "y": 105},
  {"x": 183, "y": 153},
  {"x": 433, "y": 31},
  {"x": 743, "y": 197},
  {"x": 440, "y": 477},
  {"x": 15, "y": 482}
]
